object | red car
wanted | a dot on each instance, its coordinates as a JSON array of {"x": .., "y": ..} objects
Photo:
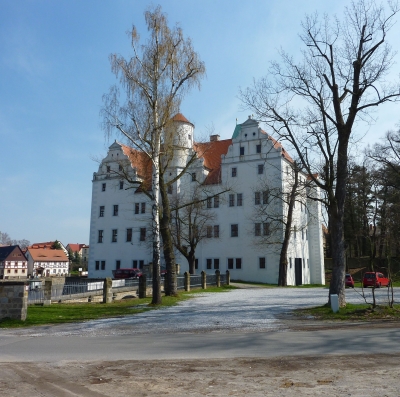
[
  {"x": 375, "y": 279},
  {"x": 349, "y": 282},
  {"x": 127, "y": 273}
]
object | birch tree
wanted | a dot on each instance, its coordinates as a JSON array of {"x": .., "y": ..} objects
[
  {"x": 153, "y": 81},
  {"x": 314, "y": 103}
]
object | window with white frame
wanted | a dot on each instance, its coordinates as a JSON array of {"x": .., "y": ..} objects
[
  {"x": 260, "y": 169},
  {"x": 115, "y": 211},
  {"x": 239, "y": 199},
  {"x": 114, "y": 235},
  {"x": 261, "y": 263},
  {"x": 142, "y": 234},
  {"x": 233, "y": 172}
]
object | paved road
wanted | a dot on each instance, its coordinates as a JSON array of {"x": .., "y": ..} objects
[{"x": 239, "y": 323}]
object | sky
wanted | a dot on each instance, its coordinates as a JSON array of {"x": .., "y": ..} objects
[{"x": 54, "y": 70}]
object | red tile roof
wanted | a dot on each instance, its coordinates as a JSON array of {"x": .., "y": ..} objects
[
  {"x": 182, "y": 118},
  {"x": 47, "y": 255},
  {"x": 211, "y": 152},
  {"x": 278, "y": 145},
  {"x": 46, "y": 245},
  {"x": 77, "y": 247},
  {"x": 142, "y": 163}
]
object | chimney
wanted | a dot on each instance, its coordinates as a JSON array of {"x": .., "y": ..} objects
[{"x": 214, "y": 138}]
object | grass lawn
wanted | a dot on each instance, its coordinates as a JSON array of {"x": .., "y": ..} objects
[
  {"x": 352, "y": 312},
  {"x": 58, "y": 313}
]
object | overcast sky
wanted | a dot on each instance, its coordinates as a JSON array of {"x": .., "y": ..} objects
[{"x": 54, "y": 69}]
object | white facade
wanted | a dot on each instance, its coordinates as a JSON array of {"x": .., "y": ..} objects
[
  {"x": 120, "y": 217},
  {"x": 47, "y": 262}
]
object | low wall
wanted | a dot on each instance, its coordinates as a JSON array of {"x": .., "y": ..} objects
[{"x": 13, "y": 299}]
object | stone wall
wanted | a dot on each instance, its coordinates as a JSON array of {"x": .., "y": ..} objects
[{"x": 13, "y": 299}]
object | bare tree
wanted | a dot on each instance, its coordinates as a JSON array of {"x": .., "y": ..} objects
[
  {"x": 192, "y": 222},
  {"x": 274, "y": 211},
  {"x": 388, "y": 152},
  {"x": 5, "y": 239},
  {"x": 313, "y": 104},
  {"x": 154, "y": 81}
]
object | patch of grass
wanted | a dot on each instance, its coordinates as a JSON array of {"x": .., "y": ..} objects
[
  {"x": 75, "y": 312},
  {"x": 352, "y": 312}
]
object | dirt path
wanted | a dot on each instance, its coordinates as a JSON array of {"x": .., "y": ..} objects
[{"x": 288, "y": 376}]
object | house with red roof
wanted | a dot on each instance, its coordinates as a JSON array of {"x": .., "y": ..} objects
[
  {"x": 81, "y": 249},
  {"x": 245, "y": 167},
  {"x": 45, "y": 262}
]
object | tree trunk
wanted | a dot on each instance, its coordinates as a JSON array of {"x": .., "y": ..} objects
[
  {"x": 171, "y": 287},
  {"x": 283, "y": 263},
  {"x": 338, "y": 262},
  {"x": 192, "y": 261},
  {"x": 156, "y": 300}
]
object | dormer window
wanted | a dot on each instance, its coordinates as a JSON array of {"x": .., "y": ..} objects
[{"x": 258, "y": 148}]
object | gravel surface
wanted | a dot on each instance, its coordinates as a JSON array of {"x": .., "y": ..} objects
[{"x": 244, "y": 310}]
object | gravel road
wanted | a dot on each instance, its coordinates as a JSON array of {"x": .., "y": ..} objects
[{"x": 253, "y": 316}]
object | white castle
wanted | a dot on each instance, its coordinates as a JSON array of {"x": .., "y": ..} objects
[{"x": 243, "y": 167}]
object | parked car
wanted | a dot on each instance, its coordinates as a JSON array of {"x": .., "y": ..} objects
[
  {"x": 349, "y": 282},
  {"x": 375, "y": 279},
  {"x": 127, "y": 273}
]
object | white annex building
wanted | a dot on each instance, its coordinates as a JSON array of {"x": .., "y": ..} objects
[{"x": 245, "y": 168}]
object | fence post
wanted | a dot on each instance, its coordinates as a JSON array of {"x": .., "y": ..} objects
[
  {"x": 47, "y": 291},
  {"x": 13, "y": 299},
  {"x": 142, "y": 286},
  {"x": 187, "y": 281},
  {"x": 107, "y": 290},
  {"x": 228, "y": 278},
  {"x": 203, "y": 279},
  {"x": 218, "y": 276}
]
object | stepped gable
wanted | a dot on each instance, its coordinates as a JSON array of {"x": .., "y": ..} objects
[{"x": 211, "y": 152}]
